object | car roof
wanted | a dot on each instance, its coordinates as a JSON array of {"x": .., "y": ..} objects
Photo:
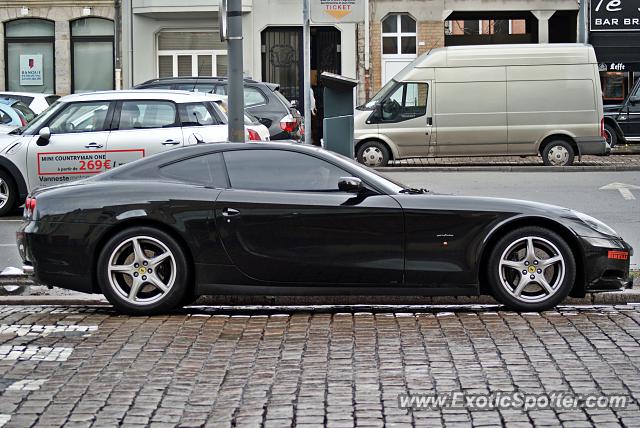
[
  {"x": 194, "y": 79},
  {"x": 26, "y": 94},
  {"x": 149, "y": 94}
]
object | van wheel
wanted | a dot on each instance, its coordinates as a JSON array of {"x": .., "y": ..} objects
[
  {"x": 558, "y": 153},
  {"x": 8, "y": 193},
  {"x": 610, "y": 135},
  {"x": 373, "y": 153}
]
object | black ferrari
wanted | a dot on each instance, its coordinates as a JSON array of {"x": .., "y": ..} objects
[{"x": 286, "y": 219}]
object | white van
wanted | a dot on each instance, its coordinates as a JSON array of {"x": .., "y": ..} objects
[{"x": 539, "y": 99}]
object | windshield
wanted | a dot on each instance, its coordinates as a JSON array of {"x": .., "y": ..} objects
[
  {"x": 28, "y": 114},
  {"x": 39, "y": 119},
  {"x": 381, "y": 94}
]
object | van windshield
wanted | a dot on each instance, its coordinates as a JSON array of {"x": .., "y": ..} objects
[{"x": 379, "y": 96}]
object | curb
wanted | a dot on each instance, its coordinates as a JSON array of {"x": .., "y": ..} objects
[
  {"x": 506, "y": 168},
  {"x": 606, "y": 298}
]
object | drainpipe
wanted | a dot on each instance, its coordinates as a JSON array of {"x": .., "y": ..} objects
[{"x": 366, "y": 51}]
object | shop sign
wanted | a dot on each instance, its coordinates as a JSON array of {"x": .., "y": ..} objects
[
  {"x": 618, "y": 66},
  {"x": 337, "y": 11},
  {"x": 31, "y": 70},
  {"x": 615, "y": 15}
]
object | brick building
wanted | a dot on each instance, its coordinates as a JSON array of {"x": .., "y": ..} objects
[{"x": 70, "y": 46}]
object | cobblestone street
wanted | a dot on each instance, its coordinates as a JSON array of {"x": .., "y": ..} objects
[{"x": 311, "y": 366}]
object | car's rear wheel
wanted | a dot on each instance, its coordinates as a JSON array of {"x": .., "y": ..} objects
[
  {"x": 143, "y": 271},
  {"x": 531, "y": 269},
  {"x": 610, "y": 135},
  {"x": 8, "y": 193},
  {"x": 558, "y": 153},
  {"x": 373, "y": 153}
]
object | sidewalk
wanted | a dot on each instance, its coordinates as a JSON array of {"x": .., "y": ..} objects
[{"x": 622, "y": 158}]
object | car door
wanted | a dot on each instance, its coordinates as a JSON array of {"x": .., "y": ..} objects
[
  {"x": 142, "y": 128},
  {"x": 283, "y": 220},
  {"x": 405, "y": 118},
  {"x": 629, "y": 119},
  {"x": 201, "y": 123},
  {"x": 76, "y": 147}
]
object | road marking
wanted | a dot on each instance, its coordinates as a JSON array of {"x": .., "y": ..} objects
[
  {"x": 26, "y": 385},
  {"x": 4, "y": 419},
  {"x": 624, "y": 189},
  {"x": 9, "y": 221},
  {"x": 34, "y": 353},
  {"x": 45, "y": 330},
  {"x": 7, "y": 245}
]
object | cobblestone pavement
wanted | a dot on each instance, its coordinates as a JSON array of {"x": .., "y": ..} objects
[
  {"x": 310, "y": 366},
  {"x": 617, "y": 160}
]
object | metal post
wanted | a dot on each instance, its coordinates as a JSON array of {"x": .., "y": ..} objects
[
  {"x": 306, "y": 46},
  {"x": 583, "y": 35},
  {"x": 236, "y": 81}
]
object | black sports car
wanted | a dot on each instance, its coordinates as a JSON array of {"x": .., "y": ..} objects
[{"x": 289, "y": 219}]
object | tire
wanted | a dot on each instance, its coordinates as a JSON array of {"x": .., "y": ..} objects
[
  {"x": 558, "y": 153},
  {"x": 612, "y": 135},
  {"x": 8, "y": 193},
  {"x": 511, "y": 258},
  {"x": 146, "y": 299},
  {"x": 373, "y": 154}
]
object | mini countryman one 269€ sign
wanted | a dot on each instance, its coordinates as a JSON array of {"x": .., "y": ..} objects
[
  {"x": 332, "y": 11},
  {"x": 31, "y": 70},
  {"x": 615, "y": 15}
]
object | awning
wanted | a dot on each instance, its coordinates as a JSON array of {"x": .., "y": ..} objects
[{"x": 617, "y": 51}]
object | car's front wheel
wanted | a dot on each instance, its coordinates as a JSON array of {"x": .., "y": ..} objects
[
  {"x": 373, "y": 153},
  {"x": 531, "y": 269},
  {"x": 143, "y": 271}
]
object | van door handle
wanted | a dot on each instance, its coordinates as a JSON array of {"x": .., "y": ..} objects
[
  {"x": 94, "y": 146},
  {"x": 229, "y": 212},
  {"x": 429, "y": 120},
  {"x": 170, "y": 142}
]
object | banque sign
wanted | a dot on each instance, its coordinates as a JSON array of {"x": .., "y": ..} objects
[{"x": 615, "y": 15}]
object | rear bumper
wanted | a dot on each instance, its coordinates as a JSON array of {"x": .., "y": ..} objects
[{"x": 593, "y": 146}]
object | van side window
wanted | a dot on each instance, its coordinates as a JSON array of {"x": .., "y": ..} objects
[{"x": 408, "y": 101}]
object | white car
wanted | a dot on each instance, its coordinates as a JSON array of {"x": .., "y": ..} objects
[
  {"x": 36, "y": 102},
  {"x": 84, "y": 134}
]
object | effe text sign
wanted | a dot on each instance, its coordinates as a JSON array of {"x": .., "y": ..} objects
[
  {"x": 337, "y": 11},
  {"x": 615, "y": 15}
]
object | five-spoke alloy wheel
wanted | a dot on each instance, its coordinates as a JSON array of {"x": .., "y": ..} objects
[
  {"x": 143, "y": 271},
  {"x": 8, "y": 193},
  {"x": 531, "y": 269}
]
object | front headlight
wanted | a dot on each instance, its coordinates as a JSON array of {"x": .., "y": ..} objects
[{"x": 595, "y": 224}]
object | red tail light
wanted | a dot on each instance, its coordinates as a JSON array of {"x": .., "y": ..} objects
[
  {"x": 29, "y": 207},
  {"x": 602, "y": 129},
  {"x": 253, "y": 135},
  {"x": 24, "y": 122},
  {"x": 288, "y": 123}
]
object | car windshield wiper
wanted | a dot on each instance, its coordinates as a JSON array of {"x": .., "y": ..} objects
[{"x": 414, "y": 191}]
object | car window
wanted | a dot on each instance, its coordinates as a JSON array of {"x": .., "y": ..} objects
[
  {"x": 196, "y": 114},
  {"x": 408, "y": 101},
  {"x": 187, "y": 86},
  {"x": 206, "y": 87},
  {"x": 25, "y": 99},
  {"x": 4, "y": 117},
  {"x": 26, "y": 112},
  {"x": 80, "y": 117},
  {"x": 253, "y": 97},
  {"x": 157, "y": 86},
  {"x": 147, "y": 114},
  {"x": 51, "y": 99},
  {"x": 207, "y": 170},
  {"x": 281, "y": 170}
]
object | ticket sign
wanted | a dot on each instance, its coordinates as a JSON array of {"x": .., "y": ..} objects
[
  {"x": 31, "y": 70},
  {"x": 337, "y": 11},
  {"x": 615, "y": 15}
]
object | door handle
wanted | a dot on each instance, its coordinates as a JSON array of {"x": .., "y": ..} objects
[
  {"x": 429, "y": 120},
  {"x": 229, "y": 212},
  {"x": 170, "y": 142},
  {"x": 94, "y": 146}
]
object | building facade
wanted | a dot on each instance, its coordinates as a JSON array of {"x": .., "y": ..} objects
[{"x": 58, "y": 47}]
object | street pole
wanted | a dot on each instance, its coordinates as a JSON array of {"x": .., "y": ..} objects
[
  {"x": 582, "y": 22},
  {"x": 236, "y": 79},
  {"x": 306, "y": 43}
]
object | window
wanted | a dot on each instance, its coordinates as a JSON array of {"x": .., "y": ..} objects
[
  {"x": 191, "y": 54},
  {"x": 29, "y": 55},
  {"x": 613, "y": 86},
  {"x": 4, "y": 117},
  {"x": 253, "y": 97},
  {"x": 280, "y": 170},
  {"x": 399, "y": 35},
  {"x": 92, "y": 41},
  {"x": 24, "y": 110},
  {"x": 207, "y": 170},
  {"x": 408, "y": 101},
  {"x": 196, "y": 114},
  {"x": 81, "y": 117},
  {"x": 147, "y": 114}
]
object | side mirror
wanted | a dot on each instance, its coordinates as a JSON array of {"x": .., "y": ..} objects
[
  {"x": 350, "y": 184},
  {"x": 45, "y": 135}
]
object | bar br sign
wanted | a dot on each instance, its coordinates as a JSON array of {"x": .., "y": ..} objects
[
  {"x": 31, "y": 70},
  {"x": 615, "y": 15},
  {"x": 337, "y": 11}
]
